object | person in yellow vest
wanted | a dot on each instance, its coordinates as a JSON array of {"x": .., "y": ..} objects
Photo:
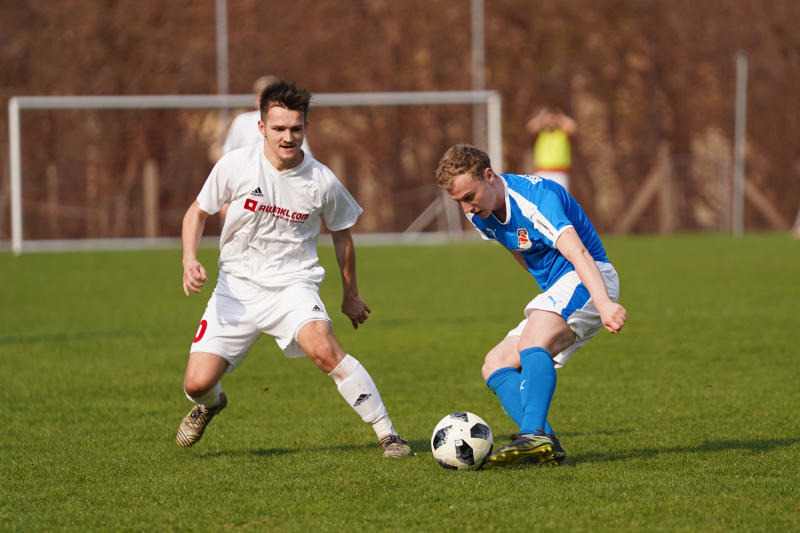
[{"x": 552, "y": 154}]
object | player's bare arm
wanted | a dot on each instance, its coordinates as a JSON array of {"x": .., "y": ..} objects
[
  {"x": 571, "y": 247},
  {"x": 194, "y": 274},
  {"x": 352, "y": 304}
]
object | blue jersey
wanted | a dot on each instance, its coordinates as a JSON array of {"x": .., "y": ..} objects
[{"x": 538, "y": 210}]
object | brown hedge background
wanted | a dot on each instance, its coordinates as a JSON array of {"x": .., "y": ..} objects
[{"x": 650, "y": 83}]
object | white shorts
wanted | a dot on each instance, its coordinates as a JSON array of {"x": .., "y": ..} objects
[
  {"x": 239, "y": 312},
  {"x": 569, "y": 298}
]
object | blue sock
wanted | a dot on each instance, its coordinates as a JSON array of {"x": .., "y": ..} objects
[
  {"x": 505, "y": 384},
  {"x": 539, "y": 385}
]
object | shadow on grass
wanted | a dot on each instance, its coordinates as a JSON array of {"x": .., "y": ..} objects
[
  {"x": 417, "y": 446},
  {"x": 753, "y": 446}
]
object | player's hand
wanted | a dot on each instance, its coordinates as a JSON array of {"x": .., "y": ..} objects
[
  {"x": 194, "y": 276},
  {"x": 613, "y": 316},
  {"x": 356, "y": 309}
]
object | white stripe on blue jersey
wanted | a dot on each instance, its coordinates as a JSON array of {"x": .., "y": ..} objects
[{"x": 538, "y": 210}]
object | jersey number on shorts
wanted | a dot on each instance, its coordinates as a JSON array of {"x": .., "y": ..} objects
[{"x": 201, "y": 330}]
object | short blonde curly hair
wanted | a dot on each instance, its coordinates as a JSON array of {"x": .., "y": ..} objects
[{"x": 461, "y": 159}]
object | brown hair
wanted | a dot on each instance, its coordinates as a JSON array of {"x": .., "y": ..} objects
[
  {"x": 284, "y": 94},
  {"x": 461, "y": 159}
]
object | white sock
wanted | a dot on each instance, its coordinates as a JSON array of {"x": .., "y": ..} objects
[
  {"x": 359, "y": 391},
  {"x": 209, "y": 399}
]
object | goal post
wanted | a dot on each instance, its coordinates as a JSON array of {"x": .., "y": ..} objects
[{"x": 17, "y": 104}]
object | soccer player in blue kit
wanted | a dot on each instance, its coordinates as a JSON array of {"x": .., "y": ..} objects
[{"x": 548, "y": 233}]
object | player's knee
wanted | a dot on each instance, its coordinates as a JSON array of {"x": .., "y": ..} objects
[
  {"x": 325, "y": 355},
  {"x": 322, "y": 352},
  {"x": 317, "y": 340},
  {"x": 495, "y": 360},
  {"x": 487, "y": 369},
  {"x": 203, "y": 371},
  {"x": 196, "y": 387},
  {"x": 554, "y": 343}
]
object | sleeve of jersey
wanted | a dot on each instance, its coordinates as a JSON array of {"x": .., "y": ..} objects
[
  {"x": 340, "y": 210},
  {"x": 550, "y": 219},
  {"x": 212, "y": 196}
]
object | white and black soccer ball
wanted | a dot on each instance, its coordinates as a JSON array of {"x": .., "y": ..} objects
[{"x": 461, "y": 441}]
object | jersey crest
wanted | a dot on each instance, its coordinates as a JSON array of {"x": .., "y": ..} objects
[{"x": 523, "y": 240}]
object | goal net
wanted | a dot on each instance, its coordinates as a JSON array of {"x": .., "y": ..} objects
[{"x": 94, "y": 172}]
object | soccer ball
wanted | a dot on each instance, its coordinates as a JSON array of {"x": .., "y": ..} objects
[{"x": 461, "y": 441}]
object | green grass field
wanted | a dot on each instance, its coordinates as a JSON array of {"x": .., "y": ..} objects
[{"x": 687, "y": 421}]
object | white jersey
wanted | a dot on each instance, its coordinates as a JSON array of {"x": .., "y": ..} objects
[
  {"x": 244, "y": 132},
  {"x": 273, "y": 220}
]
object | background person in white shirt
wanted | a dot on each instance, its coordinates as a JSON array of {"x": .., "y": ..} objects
[{"x": 269, "y": 271}]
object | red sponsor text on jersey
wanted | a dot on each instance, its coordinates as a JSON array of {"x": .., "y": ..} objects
[{"x": 274, "y": 210}]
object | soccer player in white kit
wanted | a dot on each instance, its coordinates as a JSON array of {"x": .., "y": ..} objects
[
  {"x": 269, "y": 273},
  {"x": 551, "y": 237}
]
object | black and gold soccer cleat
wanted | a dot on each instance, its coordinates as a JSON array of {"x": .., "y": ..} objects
[
  {"x": 559, "y": 454},
  {"x": 526, "y": 449}
]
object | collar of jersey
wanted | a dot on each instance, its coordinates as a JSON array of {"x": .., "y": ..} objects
[
  {"x": 508, "y": 203},
  {"x": 268, "y": 167}
]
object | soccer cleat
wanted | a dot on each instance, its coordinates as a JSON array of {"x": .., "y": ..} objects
[
  {"x": 526, "y": 449},
  {"x": 559, "y": 454},
  {"x": 194, "y": 424},
  {"x": 394, "y": 446}
]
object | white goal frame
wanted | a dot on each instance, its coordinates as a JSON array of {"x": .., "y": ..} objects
[{"x": 17, "y": 104}]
